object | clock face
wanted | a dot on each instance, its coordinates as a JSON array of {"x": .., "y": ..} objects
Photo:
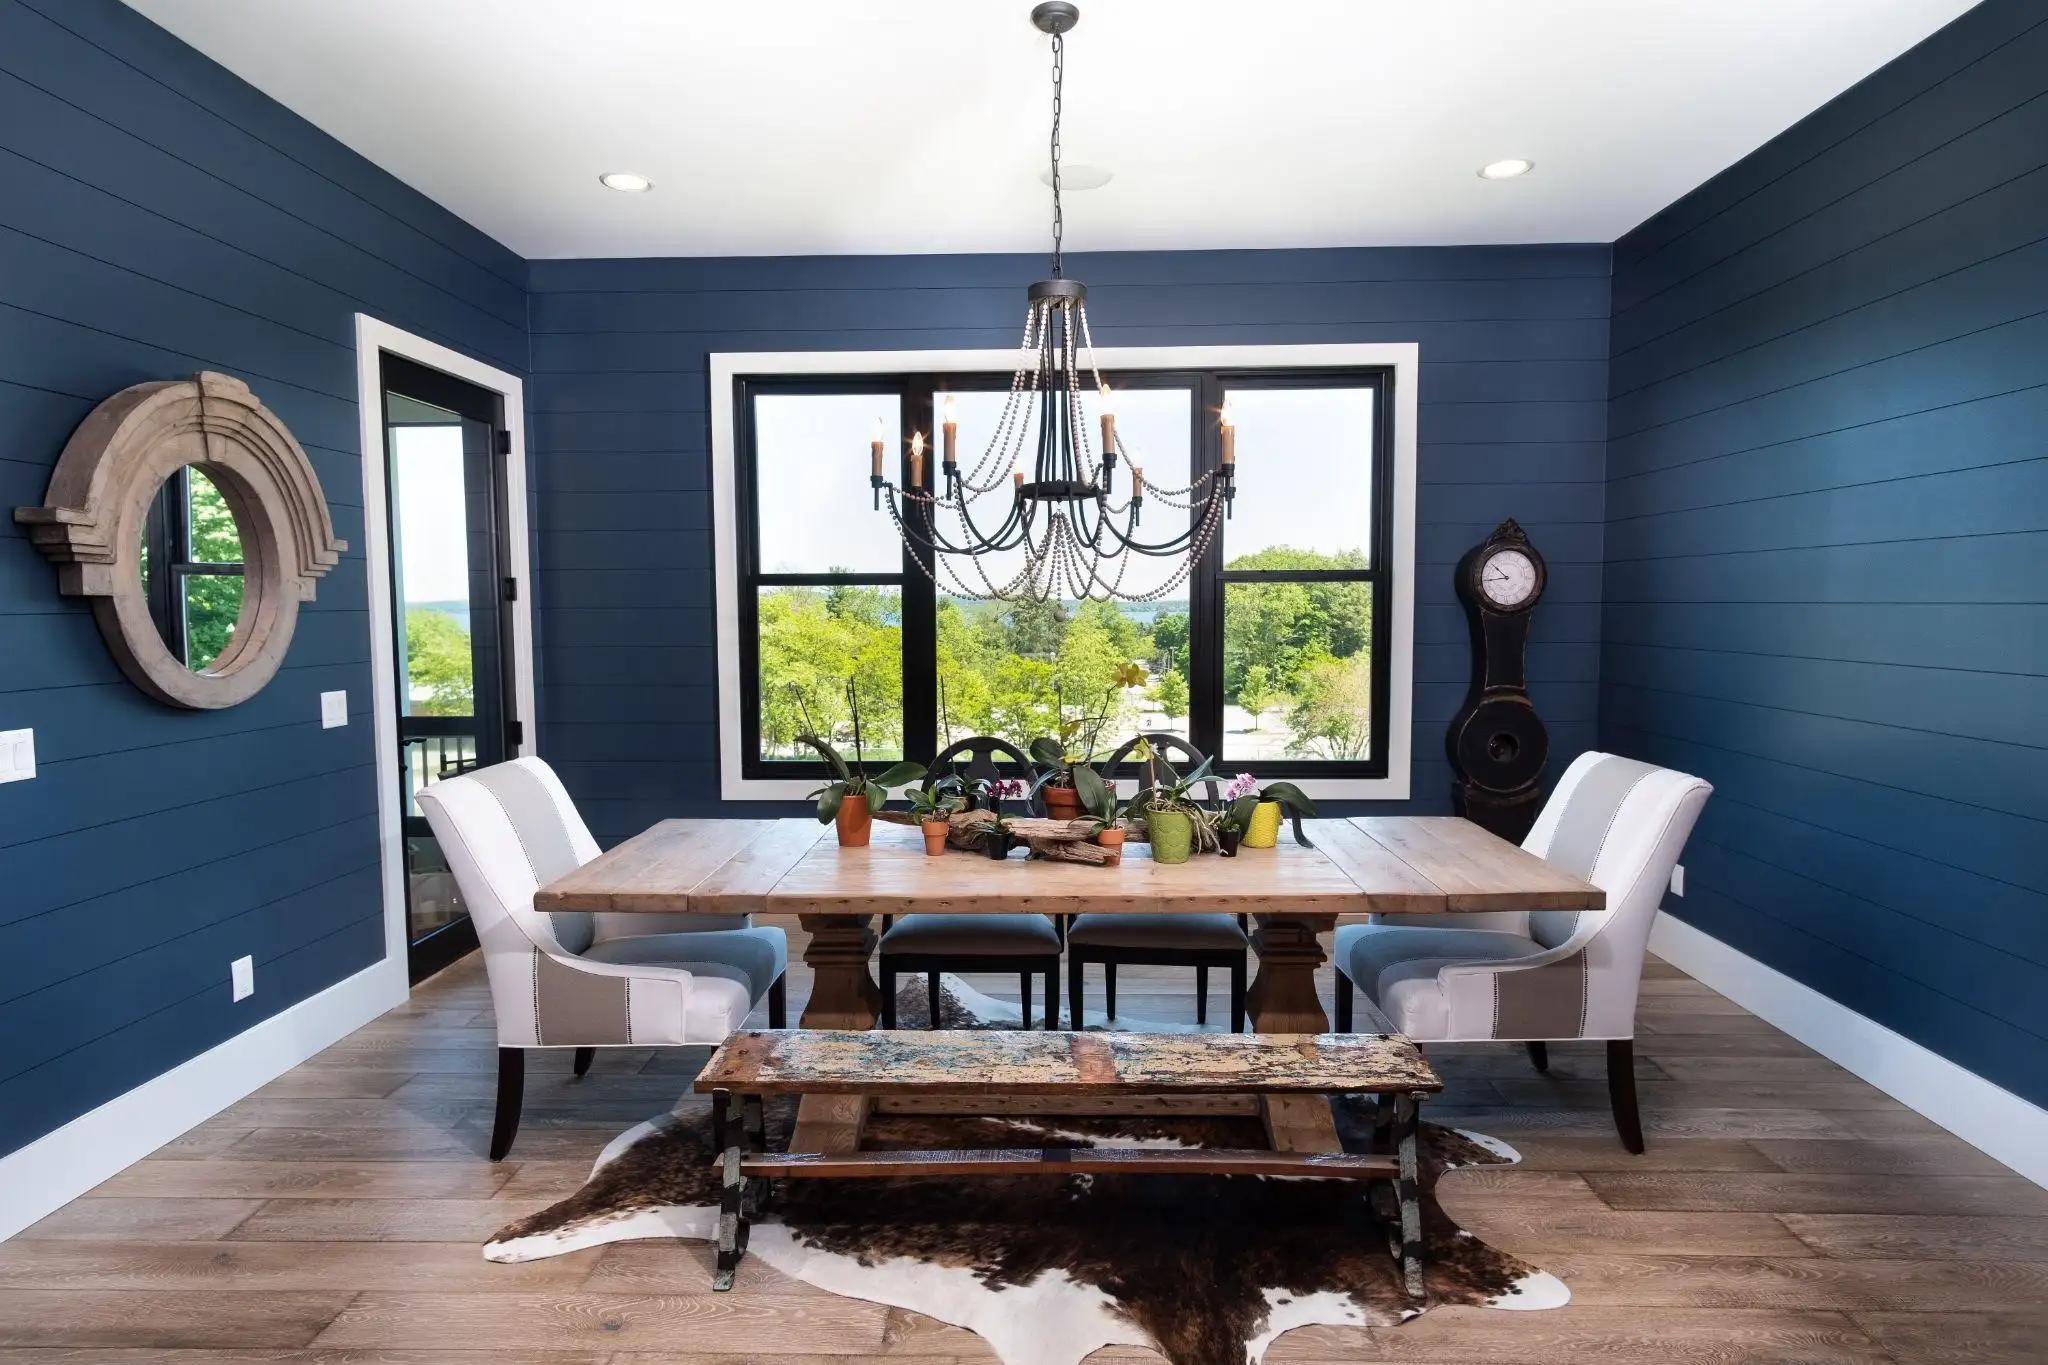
[{"x": 1508, "y": 578}]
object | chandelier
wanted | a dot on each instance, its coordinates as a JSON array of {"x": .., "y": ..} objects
[{"x": 1076, "y": 536}]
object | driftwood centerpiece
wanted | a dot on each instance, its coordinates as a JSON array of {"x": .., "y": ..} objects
[{"x": 1060, "y": 841}]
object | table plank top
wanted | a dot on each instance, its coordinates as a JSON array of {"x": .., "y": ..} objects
[
  {"x": 1379, "y": 864},
  {"x": 962, "y": 1062}
]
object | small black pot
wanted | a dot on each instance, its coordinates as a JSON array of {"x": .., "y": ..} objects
[
  {"x": 1229, "y": 838},
  {"x": 996, "y": 845}
]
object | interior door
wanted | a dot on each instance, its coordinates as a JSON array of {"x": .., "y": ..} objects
[{"x": 451, "y": 612}]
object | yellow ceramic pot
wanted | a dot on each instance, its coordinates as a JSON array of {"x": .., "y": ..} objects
[{"x": 1263, "y": 830}]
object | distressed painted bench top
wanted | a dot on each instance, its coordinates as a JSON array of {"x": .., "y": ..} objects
[{"x": 983, "y": 1062}]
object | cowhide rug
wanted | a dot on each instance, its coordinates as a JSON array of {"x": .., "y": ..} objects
[{"x": 1207, "y": 1270}]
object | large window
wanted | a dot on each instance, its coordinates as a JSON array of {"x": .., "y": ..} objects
[{"x": 1275, "y": 654}]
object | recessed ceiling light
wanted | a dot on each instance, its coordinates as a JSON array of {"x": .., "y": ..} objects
[
  {"x": 1078, "y": 175},
  {"x": 1506, "y": 170},
  {"x": 626, "y": 182}
]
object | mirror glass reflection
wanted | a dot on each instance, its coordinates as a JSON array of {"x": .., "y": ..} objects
[{"x": 192, "y": 572}]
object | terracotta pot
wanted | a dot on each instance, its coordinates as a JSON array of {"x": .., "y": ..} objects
[
  {"x": 1173, "y": 835},
  {"x": 1112, "y": 839},
  {"x": 1264, "y": 829},
  {"x": 1061, "y": 803},
  {"x": 854, "y": 821},
  {"x": 934, "y": 836}
]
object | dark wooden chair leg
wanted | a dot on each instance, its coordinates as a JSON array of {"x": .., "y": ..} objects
[
  {"x": 584, "y": 1057},
  {"x": 1052, "y": 994},
  {"x": 1344, "y": 989},
  {"x": 1109, "y": 987},
  {"x": 1075, "y": 978},
  {"x": 1201, "y": 995},
  {"x": 778, "y": 1002},
  {"x": 1539, "y": 1056},
  {"x": 931, "y": 999},
  {"x": 888, "y": 995},
  {"x": 1237, "y": 996},
  {"x": 1621, "y": 1092},
  {"x": 1025, "y": 988},
  {"x": 511, "y": 1092}
]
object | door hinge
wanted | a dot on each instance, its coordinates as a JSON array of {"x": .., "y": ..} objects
[
  {"x": 515, "y": 734},
  {"x": 511, "y": 590},
  {"x": 502, "y": 442}
]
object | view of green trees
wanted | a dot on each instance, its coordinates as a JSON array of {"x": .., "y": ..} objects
[
  {"x": 1296, "y": 660},
  {"x": 440, "y": 677},
  {"x": 213, "y": 602}
]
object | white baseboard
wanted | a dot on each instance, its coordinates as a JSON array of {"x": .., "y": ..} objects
[
  {"x": 1990, "y": 1118},
  {"x": 58, "y": 1167}
]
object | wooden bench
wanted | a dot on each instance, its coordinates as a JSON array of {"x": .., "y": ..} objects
[{"x": 842, "y": 1074}]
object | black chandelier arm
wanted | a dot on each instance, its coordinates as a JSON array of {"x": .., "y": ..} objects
[{"x": 931, "y": 538}]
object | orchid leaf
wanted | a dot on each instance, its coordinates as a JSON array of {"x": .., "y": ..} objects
[
  {"x": 1290, "y": 796},
  {"x": 1093, "y": 791},
  {"x": 898, "y": 775},
  {"x": 831, "y": 756},
  {"x": 828, "y": 803},
  {"x": 1046, "y": 749},
  {"x": 877, "y": 797}
]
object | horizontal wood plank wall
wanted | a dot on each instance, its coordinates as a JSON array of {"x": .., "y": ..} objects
[
  {"x": 1827, "y": 542},
  {"x": 157, "y": 216},
  {"x": 1512, "y": 423}
]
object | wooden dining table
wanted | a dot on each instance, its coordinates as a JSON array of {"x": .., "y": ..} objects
[{"x": 1293, "y": 892}]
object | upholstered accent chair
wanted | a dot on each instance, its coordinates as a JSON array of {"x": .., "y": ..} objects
[
  {"x": 1201, "y": 941},
  {"x": 1544, "y": 976},
  {"x": 1028, "y": 945},
  {"x": 506, "y": 831}
]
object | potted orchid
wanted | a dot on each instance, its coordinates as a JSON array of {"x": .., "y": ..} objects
[
  {"x": 849, "y": 801},
  {"x": 1174, "y": 824},
  {"x": 1254, "y": 811},
  {"x": 1065, "y": 759},
  {"x": 999, "y": 838},
  {"x": 934, "y": 806},
  {"x": 1240, "y": 801}
]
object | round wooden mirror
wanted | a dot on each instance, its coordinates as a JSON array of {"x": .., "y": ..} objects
[{"x": 194, "y": 523}]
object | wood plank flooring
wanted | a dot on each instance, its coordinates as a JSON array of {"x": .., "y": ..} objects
[{"x": 1784, "y": 1211}]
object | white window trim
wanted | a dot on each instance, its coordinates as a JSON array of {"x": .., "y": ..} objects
[{"x": 1404, "y": 357}]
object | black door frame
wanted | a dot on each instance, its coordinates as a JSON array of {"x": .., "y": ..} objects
[{"x": 501, "y": 728}]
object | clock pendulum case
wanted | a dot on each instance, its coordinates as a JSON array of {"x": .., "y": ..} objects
[{"x": 1497, "y": 743}]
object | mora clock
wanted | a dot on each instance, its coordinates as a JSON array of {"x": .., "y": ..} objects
[{"x": 1497, "y": 743}]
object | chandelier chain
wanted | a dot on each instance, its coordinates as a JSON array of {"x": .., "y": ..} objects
[{"x": 1059, "y": 224}]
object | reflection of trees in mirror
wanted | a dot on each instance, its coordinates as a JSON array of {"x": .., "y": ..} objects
[
  {"x": 438, "y": 664},
  {"x": 1299, "y": 649},
  {"x": 210, "y": 603}
]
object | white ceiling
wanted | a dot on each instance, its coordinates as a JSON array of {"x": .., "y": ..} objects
[{"x": 798, "y": 126}]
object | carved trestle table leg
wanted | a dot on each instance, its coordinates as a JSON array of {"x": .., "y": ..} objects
[
  {"x": 843, "y": 989},
  {"x": 1282, "y": 998}
]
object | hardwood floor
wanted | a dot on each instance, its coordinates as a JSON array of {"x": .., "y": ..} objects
[{"x": 1784, "y": 1211}]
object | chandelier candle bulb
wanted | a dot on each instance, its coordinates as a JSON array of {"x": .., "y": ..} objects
[
  {"x": 875, "y": 450},
  {"x": 952, "y": 430},
  {"x": 917, "y": 459},
  {"x": 1229, "y": 428}
]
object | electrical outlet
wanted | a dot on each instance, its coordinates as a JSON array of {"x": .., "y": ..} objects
[
  {"x": 242, "y": 974},
  {"x": 333, "y": 710},
  {"x": 17, "y": 755},
  {"x": 1678, "y": 879}
]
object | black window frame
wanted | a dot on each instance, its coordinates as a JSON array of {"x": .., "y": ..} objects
[
  {"x": 915, "y": 391},
  {"x": 167, "y": 543}
]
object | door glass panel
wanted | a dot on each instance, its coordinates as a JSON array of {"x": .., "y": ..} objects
[{"x": 436, "y": 668}]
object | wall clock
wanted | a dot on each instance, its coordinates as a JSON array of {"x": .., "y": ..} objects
[{"x": 1497, "y": 744}]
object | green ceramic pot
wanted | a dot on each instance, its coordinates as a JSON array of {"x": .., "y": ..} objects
[{"x": 1173, "y": 835}]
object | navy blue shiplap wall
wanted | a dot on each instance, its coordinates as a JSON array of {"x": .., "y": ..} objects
[
  {"x": 1513, "y": 390},
  {"x": 159, "y": 216},
  {"x": 1827, "y": 545}
]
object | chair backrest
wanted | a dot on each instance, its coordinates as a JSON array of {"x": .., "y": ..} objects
[
  {"x": 506, "y": 831},
  {"x": 1166, "y": 745},
  {"x": 1621, "y": 825},
  {"x": 976, "y": 757}
]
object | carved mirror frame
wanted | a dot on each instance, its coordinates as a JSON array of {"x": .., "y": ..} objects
[{"x": 90, "y": 526}]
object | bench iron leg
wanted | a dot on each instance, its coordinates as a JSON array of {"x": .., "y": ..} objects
[{"x": 732, "y": 1217}]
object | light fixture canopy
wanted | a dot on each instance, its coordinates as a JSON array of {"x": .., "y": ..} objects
[
  {"x": 1506, "y": 170},
  {"x": 626, "y": 182},
  {"x": 1049, "y": 495}
]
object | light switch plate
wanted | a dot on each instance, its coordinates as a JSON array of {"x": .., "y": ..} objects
[
  {"x": 333, "y": 710},
  {"x": 242, "y": 974},
  {"x": 17, "y": 755},
  {"x": 1678, "y": 879}
]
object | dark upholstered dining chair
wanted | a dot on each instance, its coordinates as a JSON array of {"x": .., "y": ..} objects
[
  {"x": 1201, "y": 941},
  {"x": 1028, "y": 945}
]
